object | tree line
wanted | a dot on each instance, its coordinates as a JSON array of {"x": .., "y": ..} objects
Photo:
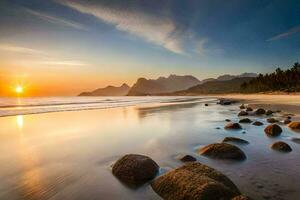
[{"x": 280, "y": 80}]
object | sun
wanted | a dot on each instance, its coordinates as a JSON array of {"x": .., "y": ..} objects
[{"x": 19, "y": 89}]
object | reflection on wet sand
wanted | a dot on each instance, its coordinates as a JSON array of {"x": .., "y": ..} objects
[
  {"x": 68, "y": 155},
  {"x": 145, "y": 111}
]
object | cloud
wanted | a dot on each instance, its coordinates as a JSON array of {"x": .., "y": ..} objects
[
  {"x": 286, "y": 34},
  {"x": 62, "y": 63},
  {"x": 200, "y": 46},
  {"x": 40, "y": 57},
  {"x": 19, "y": 49},
  {"x": 155, "y": 29},
  {"x": 56, "y": 20}
]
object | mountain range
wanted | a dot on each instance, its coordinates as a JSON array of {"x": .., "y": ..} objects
[
  {"x": 162, "y": 85},
  {"x": 175, "y": 85},
  {"x": 109, "y": 91}
]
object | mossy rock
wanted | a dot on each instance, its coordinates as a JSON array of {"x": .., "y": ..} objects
[
  {"x": 135, "y": 170},
  {"x": 281, "y": 146},
  {"x": 245, "y": 120},
  {"x": 223, "y": 151},
  {"x": 243, "y": 113},
  {"x": 273, "y": 130},
  {"x": 294, "y": 125},
  {"x": 195, "y": 181},
  {"x": 260, "y": 111},
  {"x": 235, "y": 140},
  {"x": 257, "y": 123},
  {"x": 235, "y": 126}
]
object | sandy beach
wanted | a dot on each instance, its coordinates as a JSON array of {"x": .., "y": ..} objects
[{"x": 69, "y": 154}]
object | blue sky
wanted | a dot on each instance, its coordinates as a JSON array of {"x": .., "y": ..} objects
[{"x": 121, "y": 40}]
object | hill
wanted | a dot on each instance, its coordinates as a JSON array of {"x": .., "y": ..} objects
[
  {"x": 216, "y": 87},
  {"x": 109, "y": 91},
  {"x": 162, "y": 85}
]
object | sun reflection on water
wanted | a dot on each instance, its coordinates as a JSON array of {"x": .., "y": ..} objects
[{"x": 20, "y": 121}]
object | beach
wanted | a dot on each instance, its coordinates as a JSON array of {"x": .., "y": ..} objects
[{"x": 68, "y": 153}]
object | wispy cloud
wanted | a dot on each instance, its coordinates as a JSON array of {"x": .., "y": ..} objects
[
  {"x": 19, "y": 49},
  {"x": 286, "y": 34},
  {"x": 37, "y": 57},
  {"x": 62, "y": 63},
  {"x": 158, "y": 30},
  {"x": 56, "y": 20}
]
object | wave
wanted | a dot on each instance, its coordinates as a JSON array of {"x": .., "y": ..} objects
[{"x": 25, "y": 106}]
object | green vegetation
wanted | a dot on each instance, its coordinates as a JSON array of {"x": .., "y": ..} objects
[{"x": 280, "y": 80}]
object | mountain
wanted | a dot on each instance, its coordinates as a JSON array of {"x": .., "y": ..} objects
[
  {"x": 109, "y": 91},
  {"x": 216, "y": 87},
  {"x": 227, "y": 77},
  {"x": 162, "y": 85}
]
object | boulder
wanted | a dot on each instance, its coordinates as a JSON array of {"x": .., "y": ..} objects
[
  {"x": 195, "y": 181},
  {"x": 260, "y": 111},
  {"x": 187, "y": 158},
  {"x": 296, "y": 140},
  {"x": 281, "y": 146},
  {"x": 287, "y": 121},
  {"x": 242, "y": 106},
  {"x": 273, "y": 130},
  {"x": 235, "y": 126},
  {"x": 294, "y": 125},
  {"x": 235, "y": 140},
  {"x": 223, "y": 151},
  {"x": 135, "y": 170},
  {"x": 206, "y": 104},
  {"x": 242, "y": 113},
  {"x": 272, "y": 120},
  {"x": 257, "y": 123},
  {"x": 225, "y": 102},
  {"x": 245, "y": 120},
  {"x": 269, "y": 112},
  {"x": 249, "y": 109},
  {"x": 227, "y": 120}
]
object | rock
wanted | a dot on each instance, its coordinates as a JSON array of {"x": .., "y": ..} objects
[
  {"x": 135, "y": 170},
  {"x": 227, "y": 120},
  {"x": 249, "y": 109},
  {"x": 257, "y": 123},
  {"x": 195, "y": 181},
  {"x": 233, "y": 126},
  {"x": 281, "y": 146},
  {"x": 289, "y": 117},
  {"x": 242, "y": 106},
  {"x": 269, "y": 112},
  {"x": 235, "y": 140},
  {"x": 296, "y": 140},
  {"x": 241, "y": 197},
  {"x": 260, "y": 111},
  {"x": 294, "y": 125},
  {"x": 223, "y": 151},
  {"x": 245, "y": 120},
  {"x": 273, "y": 130},
  {"x": 287, "y": 121},
  {"x": 225, "y": 102},
  {"x": 187, "y": 158},
  {"x": 206, "y": 104},
  {"x": 272, "y": 120},
  {"x": 242, "y": 113}
]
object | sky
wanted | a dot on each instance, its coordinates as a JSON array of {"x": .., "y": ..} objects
[{"x": 64, "y": 47}]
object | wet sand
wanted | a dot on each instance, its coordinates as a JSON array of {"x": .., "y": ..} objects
[{"x": 68, "y": 155}]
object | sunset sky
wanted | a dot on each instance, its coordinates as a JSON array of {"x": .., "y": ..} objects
[{"x": 64, "y": 47}]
